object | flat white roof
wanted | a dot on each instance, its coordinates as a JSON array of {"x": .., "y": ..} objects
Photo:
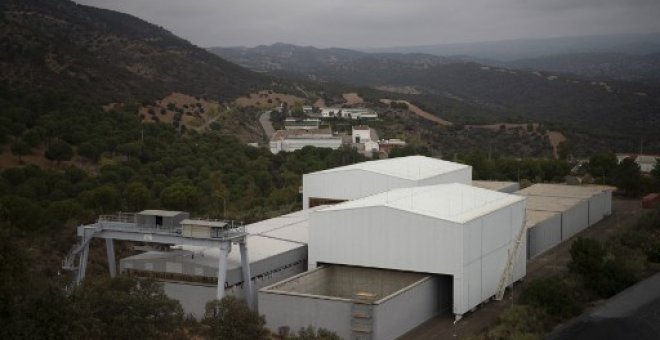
[
  {"x": 205, "y": 223},
  {"x": 160, "y": 213},
  {"x": 564, "y": 190},
  {"x": 411, "y": 167},
  {"x": 452, "y": 202}
]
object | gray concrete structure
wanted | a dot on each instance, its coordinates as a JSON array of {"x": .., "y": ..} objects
[{"x": 355, "y": 302}]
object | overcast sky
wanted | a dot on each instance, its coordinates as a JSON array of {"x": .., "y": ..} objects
[{"x": 385, "y": 23}]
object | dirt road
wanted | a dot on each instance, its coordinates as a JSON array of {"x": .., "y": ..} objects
[{"x": 266, "y": 124}]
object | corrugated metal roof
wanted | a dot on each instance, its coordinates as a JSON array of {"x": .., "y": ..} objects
[
  {"x": 534, "y": 217},
  {"x": 411, "y": 167},
  {"x": 493, "y": 185},
  {"x": 564, "y": 190},
  {"x": 452, "y": 202}
]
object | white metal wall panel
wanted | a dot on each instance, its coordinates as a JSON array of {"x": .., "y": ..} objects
[
  {"x": 405, "y": 311},
  {"x": 303, "y": 311},
  {"x": 544, "y": 236},
  {"x": 472, "y": 240},
  {"x": 348, "y": 185},
  {"x": 575, "y": 220},
  {"x": 385, "y": 238},
  {"x": 600, "y": 205},
  {"x": 497, "y": 230},
  {"x": 492, "y": 269},
  {"x": 473, "y": 283}
]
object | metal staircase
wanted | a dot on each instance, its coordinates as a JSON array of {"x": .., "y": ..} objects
[
  {"x": 77, "y": 251},
  {"x": 510, "y": 263}
]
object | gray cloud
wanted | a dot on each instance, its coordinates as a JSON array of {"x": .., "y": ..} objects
[{"x": 380, "y": 23}]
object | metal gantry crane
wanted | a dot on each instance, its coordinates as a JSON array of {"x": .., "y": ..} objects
[{"x": 186, "y": 232}]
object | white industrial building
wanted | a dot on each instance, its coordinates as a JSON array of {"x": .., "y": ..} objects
[
  {"x": 406, "y": 239},
  {"x": 365, "y": 139},
  {"x": 292, "y": 140},
  {"x": 459, "y": 236},
  {"x": 368, "y": 178}
]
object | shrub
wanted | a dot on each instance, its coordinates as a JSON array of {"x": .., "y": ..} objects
[{"x": 551, "y": 295}]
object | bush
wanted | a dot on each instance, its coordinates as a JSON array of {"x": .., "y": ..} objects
[
  {"x": 551, "y": 295},
  {"x": 519, "y": 322},
  {"x": 230, "y": 318}
]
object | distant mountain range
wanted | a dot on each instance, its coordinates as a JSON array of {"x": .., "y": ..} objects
[
  {"x": 451, "y": 86},
  {"x": 107, "y": 56},
  {"x": 603, "y": 66},
  {"x": 509, "y": 50}
]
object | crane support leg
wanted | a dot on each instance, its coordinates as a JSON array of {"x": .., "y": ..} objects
[
  {"x": 225, "y": 248},
  {"x": 110, "y": 250},
  {"x": 247, "y": 276}
]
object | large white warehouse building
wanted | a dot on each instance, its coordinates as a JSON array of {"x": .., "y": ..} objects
[
  {"x": 367, "y": 178},
  {"x": 456, "y": 236},
  {"x": 449, "y": 229}
]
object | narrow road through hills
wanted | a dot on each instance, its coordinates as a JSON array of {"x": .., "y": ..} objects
[{"x": 266, "y": 124}]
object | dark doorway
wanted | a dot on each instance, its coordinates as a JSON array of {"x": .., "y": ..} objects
[{"x": 159, "y": 221}]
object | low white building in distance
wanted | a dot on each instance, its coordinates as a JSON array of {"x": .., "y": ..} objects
[
  {"x": 365, "y": 140},
  {"x": 292, "y": 140},
  {"x": 348, "y": 113},
  {"x": 646, "y": 162},
  {"x": 301, "y": 124}
]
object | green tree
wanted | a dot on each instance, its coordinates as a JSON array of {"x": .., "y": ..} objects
[
  {"x": 20, "y": 149},
  {"x": 602, "y": 165},
  {"x": 138, "y": 196},
  {"x": 59, "y": 151},
  {"x": 126, "y": 308},
  {"x": 230, "y": 318},
  {"x": 627, "y": 177},
  {"x": 179, "y": 196}
]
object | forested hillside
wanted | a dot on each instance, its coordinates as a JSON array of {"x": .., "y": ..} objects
[{"x": 107, "y": 56}]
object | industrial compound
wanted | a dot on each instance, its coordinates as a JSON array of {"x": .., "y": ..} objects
[{"x": 379, "y": 247}]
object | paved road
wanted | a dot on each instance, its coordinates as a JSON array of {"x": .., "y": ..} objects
[
  {"x": 625, "y": 213},
  {"x": 266, "y": 124}
]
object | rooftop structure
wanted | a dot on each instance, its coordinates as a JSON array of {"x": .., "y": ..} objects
[{"x": 372, "y": 177}]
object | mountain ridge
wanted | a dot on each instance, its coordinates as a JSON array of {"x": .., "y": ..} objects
[{"x": 108, "y": 56}]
